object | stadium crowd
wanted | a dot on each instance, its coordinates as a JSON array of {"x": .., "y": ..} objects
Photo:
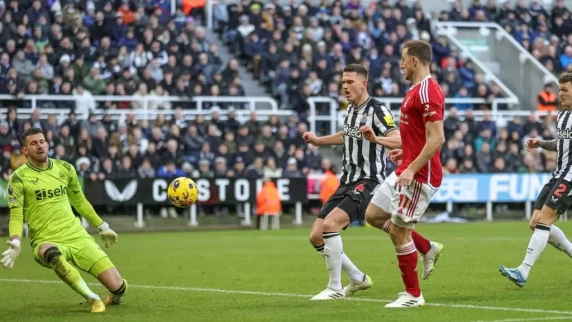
[
  {"x": 126, "y": 47},
  {"x": 299, "y": 51}
]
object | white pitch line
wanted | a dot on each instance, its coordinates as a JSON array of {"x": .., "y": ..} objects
[
  {"x": 530, "y": 319},
  {"x": 367, "y": 238},
  {"x": 358, "y": 299}
]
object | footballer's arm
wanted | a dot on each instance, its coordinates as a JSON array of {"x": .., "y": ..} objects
[
  {"x": 80, "y": 203},
  {"x": 15, "y": 200},
  {"x": 391, "y": 139},
  {"x": 436, "y": 138},
  {"x": 549, "y": 145},
  {"x": 334, "y": 139}
]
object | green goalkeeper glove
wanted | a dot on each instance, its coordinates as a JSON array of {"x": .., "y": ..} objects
[{"x": 108, "y": 236}]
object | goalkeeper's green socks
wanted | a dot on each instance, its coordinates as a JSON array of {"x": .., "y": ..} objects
[{"x": 67, "y": 273}]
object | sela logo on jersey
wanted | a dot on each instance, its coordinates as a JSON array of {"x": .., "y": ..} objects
[
  {"x": 44, "y": 194},
  {"x": 352, "y": 131},
  {"x": 428, "y": 112},
  {"x": 564, "y": 134}
]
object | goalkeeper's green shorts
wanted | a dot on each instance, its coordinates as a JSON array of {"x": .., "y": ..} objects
[{"x": 84, "y": 253}]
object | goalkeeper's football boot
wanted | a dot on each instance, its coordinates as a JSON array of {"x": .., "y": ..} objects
[
  {"x": 117, "y": 297},
  {"x": 407, "y": 300},
  {"x": 354, "y": 287},
  {"x": 328, "y": 294},
  {"x": 430, "y": 259},
  {"x": 514, "y": 275},
  {"x": 97, "y": 306}
]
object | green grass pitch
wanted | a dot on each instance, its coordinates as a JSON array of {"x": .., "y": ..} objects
[{"x": 270, "y": 276}]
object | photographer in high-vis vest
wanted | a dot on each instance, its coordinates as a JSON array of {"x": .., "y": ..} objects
[
  {"x": 547, "y": 99},
  {"x": 268, "y": 205}
]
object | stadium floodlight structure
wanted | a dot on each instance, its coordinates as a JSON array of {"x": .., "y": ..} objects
[{"x": 512, "y": 63}]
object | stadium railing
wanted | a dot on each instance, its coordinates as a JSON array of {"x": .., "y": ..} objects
[
  {"x": 145, "y": 113},
  {"x": 336, "y": 118},
  {"x": 520, "y": 71}
]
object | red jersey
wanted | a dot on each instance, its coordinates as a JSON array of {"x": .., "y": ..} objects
[{"x": 423, "y": 103}]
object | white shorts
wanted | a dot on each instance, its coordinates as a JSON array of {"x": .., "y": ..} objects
[{"x": 407, "y": 206}]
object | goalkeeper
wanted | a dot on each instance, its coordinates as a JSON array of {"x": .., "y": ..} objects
[{"x": 39, "y": 193}]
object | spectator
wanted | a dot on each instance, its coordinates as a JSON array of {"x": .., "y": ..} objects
[
  {"x": 484, "y": 158},
  {"x": 547, "y": 100}
]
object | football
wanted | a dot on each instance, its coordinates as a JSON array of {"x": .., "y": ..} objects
[{"x": 183, "y": 192}]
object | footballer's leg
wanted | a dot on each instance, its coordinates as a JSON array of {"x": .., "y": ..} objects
[
  {"x": 551, "y": 202},
  {"x": 316, "y": 238},
  {"x": 377, "y": 215},
  {"x": 536, "y": 246},
  {"x": 557, "y": 237},
  {"x": 111, "y": 279},
  {"x": 336, "y": 220},
  {"x": 55, "y": 257},
  {"x": 89, "y": 257},
  {"x": 350, "y": 208},
  {"x": 407, "y": 206},
  {"x": 358, "y": 280}
]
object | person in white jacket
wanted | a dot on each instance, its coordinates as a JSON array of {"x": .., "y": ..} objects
[{"x": 84, "y": 101}]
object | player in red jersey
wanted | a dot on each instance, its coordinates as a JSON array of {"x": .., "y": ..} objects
[{"x": 405, "y": 194}]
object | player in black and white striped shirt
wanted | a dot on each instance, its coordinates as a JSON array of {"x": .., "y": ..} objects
[
  {"x": 363, "y": 169},
  {"x": 363, "y": 159},
  {"x": 556, "y": 196}
]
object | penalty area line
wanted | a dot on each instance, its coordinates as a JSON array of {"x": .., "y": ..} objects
[{"x": 357, "y": 299}]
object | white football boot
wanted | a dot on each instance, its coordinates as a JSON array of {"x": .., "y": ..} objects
[
  {"x": 407, "y": 300},
  {"x": 430, "y": 259},
  {"x": 354, "y": 287},
  {"x": 328, "y": 294}
]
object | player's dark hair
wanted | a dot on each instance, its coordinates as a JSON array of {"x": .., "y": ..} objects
[
  {"x": 358, "y": 69},
  {"x": 31, "y": 131},
  {"x": 419, "y": 49},
  {"x": 565, "y": 78}
]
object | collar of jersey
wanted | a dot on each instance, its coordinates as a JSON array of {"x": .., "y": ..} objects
[
  {"x": 424, "y": 79},
  {"x": 364, "y": 104},
  {"x": 50, "y": 165}
]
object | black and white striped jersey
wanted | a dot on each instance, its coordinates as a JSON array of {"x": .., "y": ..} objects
[
  {"x": 564, "y": 145},
  {"x": 363, "y": 159}
]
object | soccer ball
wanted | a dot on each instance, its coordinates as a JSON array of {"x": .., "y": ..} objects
[{"x": 183, "y": 192}]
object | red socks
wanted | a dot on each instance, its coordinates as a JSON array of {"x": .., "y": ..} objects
[
  {"x": 407, "y": 257},
  {"x": 423, "y": 245}
]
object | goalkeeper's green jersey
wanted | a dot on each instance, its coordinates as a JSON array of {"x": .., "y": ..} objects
[{"x": 43, "y": 198}]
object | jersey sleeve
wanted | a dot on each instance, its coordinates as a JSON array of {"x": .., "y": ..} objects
[
  {"x": 15, "y": 198},
  {"x": 432, "y": 103},
  {"x": 79, "y": 202},
  {"x": 382, "y": 120}
]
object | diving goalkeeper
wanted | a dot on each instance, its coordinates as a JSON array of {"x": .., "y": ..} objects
[{"x": 40, "y": 193}]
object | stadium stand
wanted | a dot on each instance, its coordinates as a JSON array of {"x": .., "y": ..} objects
[
  {"x": 312, "y": 43},
  {"x": 544, "y": 33},
  {"x": 137, "y": 48}
]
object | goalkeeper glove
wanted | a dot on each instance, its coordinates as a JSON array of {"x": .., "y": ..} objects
[
  {"x": 9, "y": 256},
  {"x": 108, "y": 236}
]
